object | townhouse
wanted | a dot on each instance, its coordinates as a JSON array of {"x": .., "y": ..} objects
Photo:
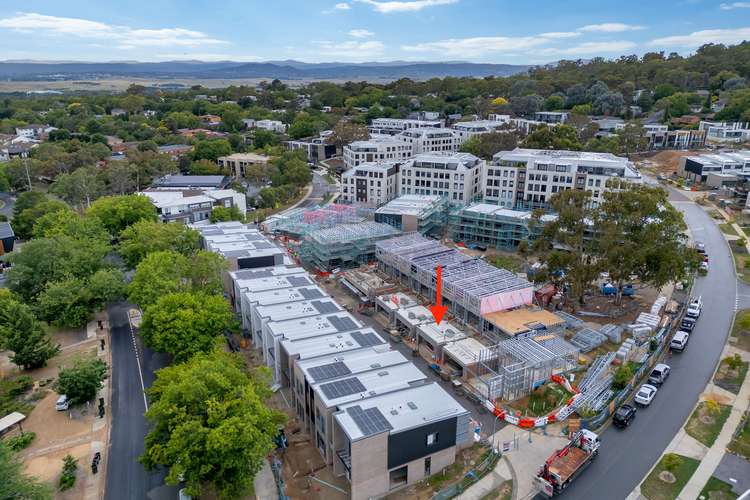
[
  {"x": 370, "y": 184},
  {"x": 709, "y": 168},
  {"x": 726, "y": 131},
  {"x": 660, "y": 137},
  {"x": 375, "y": 149},
  {"x": 454, "y": 176}
]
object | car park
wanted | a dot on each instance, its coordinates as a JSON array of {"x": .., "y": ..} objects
[
  {"x": 659, "y": 374},
  {"x": 645, "y": 395},
  {"x": 679, "y": 341},
  {"x": 687, "y": 324},
  {"x": 694, "y": 308},
  {"x": 624, "y": 416},
  {"x": 62, "y": 403}
]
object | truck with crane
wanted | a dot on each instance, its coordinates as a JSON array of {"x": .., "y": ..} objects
[{"x": 565, "y": 464}]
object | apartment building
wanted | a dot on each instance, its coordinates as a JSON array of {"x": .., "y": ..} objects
[
  {"x": 529, "y": 177},
  {"x": 414, "y": 212},
  {"x": 467, "y": 130},
  {"x": 376, "y": 149},
  {"x": 454, "y": 176},
  {"x": 238, "y": 163},
  {"x": 392, "y": 126},
  {"x": 315, "y": 149},
  {"x": 191, "y": 198},
  {"x": 430, "y": 140},
  {"x": 726, "y": 131},
  {"x": 660, "y": 137},
  {"x": 493, "y": 225},
  {"x": 699, "y": 168},
  {"x": 370, "y": 184},
  {"x": 551, "y": 116},
  {"x": 396, "y": 439}
]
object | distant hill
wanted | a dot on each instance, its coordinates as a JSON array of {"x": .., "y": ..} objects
[{"x": 285, "y": 70}]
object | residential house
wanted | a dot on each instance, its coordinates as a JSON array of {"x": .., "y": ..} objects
[
  {"x": 118, "y": 112},
  {"x": 34, "y": 130},
  {"x": 726, "y": 131},
  {"x": 551, "y": 116},
  {"x": 175, "y": 151},
  {"x": 271, "y": 125},
  {"x": 238, "y": 163}
]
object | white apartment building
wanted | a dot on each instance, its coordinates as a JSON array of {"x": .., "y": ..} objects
[
  {"x": 272, "y": 125},
  {"x": 530, "y": 177},
  {"x": 467, "y": 130},
  {"x": 376, "y": 149},
  {"x": 454, "y": 176},
  {"x": 190, "y": 206},
  {"x": 370, "y": 184},
  {"x": 726, "y": 131},
  {"x": 551, "y": 116},
  {"x": 430, "y": 140},
  {"x": 33, "y": 130},
  {"x": 392, "y": 126}
]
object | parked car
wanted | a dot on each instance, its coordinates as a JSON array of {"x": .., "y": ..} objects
[
  {"x": 700, "y": 247},
  {"x": 679, "y": 341},
  {"x": 704, "y": 265},
  {"x": 62, "y": 403},
  {"x": 624, "y": 415},
  {"x": 645, "y": 395},
  {"x": 687, "y": 324},
  {"x": 659, "y": 374},
  {"x": 694, "y": 308}
]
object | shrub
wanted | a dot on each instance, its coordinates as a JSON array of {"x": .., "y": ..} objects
[
  {"x": 671, "y": 462},
  {"x": 68, "y": 476},
  {"x": 18, "y": 443}
]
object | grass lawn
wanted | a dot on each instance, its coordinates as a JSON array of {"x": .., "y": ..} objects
[
  {"x": 741, "y": 330},
  {"x": 704, "y": 425},
  {"x": 717, "y": 489},
  {"x": 741, "y": 444},
  {"x": 654, "y": 488},
  {"x": 729, "y": 378},
  {"x": 511, "y": 262},
  {"x": 542, "y": 400},
  {"x": 727, "y": 228},
  {"x": 742, "y": 264}
]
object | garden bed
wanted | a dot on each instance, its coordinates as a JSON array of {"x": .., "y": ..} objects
[
  {"x": 731, "y": 373},
  {"x": 740, "y": 445},
  {"x": 741, "y": 329},
  {"x": 542, "y": 400},
  {"x": 716, "y": 489},
  {"x": 706, "y": 421},
  {"x": 662, "y": 484}
]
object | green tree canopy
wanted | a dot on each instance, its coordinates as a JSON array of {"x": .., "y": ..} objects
[
  {"x": 211, "y": 149},
  {"x": 23, "y": 223},
  {"x": 158, "y": 274},
  {"x": 223, "y": 429},
  {"x": 118, "y": 212},
  {"x": 15, "y": 483},
  {"x": 21, "y": 333},
  {"x": 146, "y": 236},
  {"x": 224, "y": 214},
  {"x": 82, "y": 380}
]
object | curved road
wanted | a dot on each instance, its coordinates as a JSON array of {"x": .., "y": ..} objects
[
  {"x": 320, "y": 188},
  {"x": 627, "y": 455}
]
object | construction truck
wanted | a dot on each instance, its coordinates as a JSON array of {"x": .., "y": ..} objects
[{"x": 564, "y": 465}]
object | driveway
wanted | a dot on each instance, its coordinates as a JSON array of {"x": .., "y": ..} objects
[
  {"x": 126, "y": 477},
  {"x": 627, "y": 455}
]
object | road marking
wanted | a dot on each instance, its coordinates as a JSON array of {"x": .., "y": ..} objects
[{"x": 138, "y": 361}]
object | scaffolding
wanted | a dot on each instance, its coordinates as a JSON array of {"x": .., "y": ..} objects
[
  {"x": 344, "y": 245},
  {"x": 471, "y": 286},
  {"x": 425, "y": 214},
  {"x": 298, "y": 222},
  {"x": 493, "y": 226},
  {"x": 511, "y": 369}
]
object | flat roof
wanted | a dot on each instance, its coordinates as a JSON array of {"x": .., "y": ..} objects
[
  {"x": 523, "y": 320},
  {"x": 10, "y": 420},
  {"x": 398, "y": 411},
  {"x": 332, "y": 343},
  {"x": 497, "y": 211},
  {"x": 335, "y": 365},
  {"x": 441, "y": 334},
  {"x": 410, "y": 204},
  {"x": 284, "y": 295},
  {"x": 275, "y": 282},
  {"x": 465, "y": 351},
  {"x": 395, "y": 301},
  {"x": 263, "y": 272},
  {"x": 314, "y": 326},
  {"x": 416, "y": 315},
  {"x": 298, "y": 309},
  {"x": 177, "y": 180},
  {"x": 369, "y": 384}
]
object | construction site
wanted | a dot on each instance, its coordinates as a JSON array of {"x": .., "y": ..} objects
[
  {"x": 298, "y": 222},
  {"x": 493, "y": 226},
  {"x": 343, "y": 245}
]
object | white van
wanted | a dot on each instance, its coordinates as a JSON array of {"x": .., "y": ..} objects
[{"x": 679, "y": 341}]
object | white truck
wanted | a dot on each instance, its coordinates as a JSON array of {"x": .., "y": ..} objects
[{"x": 564, "y": 465}]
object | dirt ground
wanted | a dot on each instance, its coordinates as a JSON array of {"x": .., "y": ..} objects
[
  {"x": 663, "y": 162},
  {"x": 302, "y": 461}
]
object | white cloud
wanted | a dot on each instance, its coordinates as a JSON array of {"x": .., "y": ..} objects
[
  {"x": 560, "y": 34},
  {"x": 698, "y": 38},
  {"x": 359, "y": 33},
  {"x": 350, "y": 50},
  {"x": 121, "y": 37},
  {"x": 342, "y": 6},
  {"x": 610, "y": 28},
  {"x": 478, "y": 46},
  {"x": 735, "y": 5},
  {"x": 389, "y": 6},
  {"x": 589, "y": 48}
]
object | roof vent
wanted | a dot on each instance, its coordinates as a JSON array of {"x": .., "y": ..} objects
[
  {"x": 383, "y": 373},
  {"x": 411, "y": 405},
  {"x": 394, "y": 412},
  {"x": 375, "y": 365}
]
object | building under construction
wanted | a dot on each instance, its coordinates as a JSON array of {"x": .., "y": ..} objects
[
  {"x": 299, "y": 222},
  {"x": 344, "y": 245},
  {"x": 494, "y": 226},
  {"x": 471, "y": 287},
  {"x": 412, "y": 212},
  {"x": 511, "y": 369}
]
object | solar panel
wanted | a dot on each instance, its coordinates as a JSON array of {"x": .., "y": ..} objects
[
  {"x": 299, "y": 280},
  {"x": 369, "y": 421},
  {"x": 343, "y": 324},
  {"x": 329, "y": 371},
  {"x": 324, "y": 307},
  {"x": 262, "y": 244},
  {"x": 366, "y": 339},
  {"x": 340, "y": 388},
  {"x": 313, "y": 293}
]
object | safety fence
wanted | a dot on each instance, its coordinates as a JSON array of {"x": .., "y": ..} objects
[{"x": 486, "y": 464}]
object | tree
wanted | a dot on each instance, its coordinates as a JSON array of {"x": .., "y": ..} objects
[
  {"x": 15, "y": 483},
  {"x": 118, "y": 212},
  {"x": 564, "y": 246},
  {"x": 223, "y": 431},
  {"x": 71, "y": 224},
  {"x": 302, "y": 126},
  {"x": 622, "y": 377},
  {"x": 486, "y": 145},
  {"x": 81, "y": 187},
  {"x": 224, "y": 214},
  {"x": 23, "y": 223},
  {"x": 671, "y": 462},
  {"x": 121, "y": 177},
  {"x": 27, "y": 199},
  {"x": 346, "y": 132},
  {"x": 184, "y": 324},
  {"x": 158, "y": 274},
  {"x": 211, "y": 149},
  {"x": 205, "y": 167},
  {"x": 558, "y": 137},
  {"x": 21, "y": 333},
  {"x": 632, "y": 138},
  {"x": 263, "y": 138},
  {"x": 609, "y": 103},
  {"x": 147, "y": 236},
  {"x": 205, "y": 272},
  {"x": 81, "y": 381},
  {"x": 638, "y": 232},
  {"x": 68, "y": 475},
  {"x": 554, "y": 103},
  {"x": 526, "y": 105}
]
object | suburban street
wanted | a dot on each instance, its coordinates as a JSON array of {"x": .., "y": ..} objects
[
  {"x": 319, "y": 189},
  {"x": 7, "y": 202},
  {"x": 627, "y": 455},
  {"x": 126, "y": 477}
]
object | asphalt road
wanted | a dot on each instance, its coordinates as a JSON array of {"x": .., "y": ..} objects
[
  {"x": 627, "y": 455},
  {"x": 126, "y": 477},
  {"x": 7, "y": 201},
  {"x": 319, "y": 190}
]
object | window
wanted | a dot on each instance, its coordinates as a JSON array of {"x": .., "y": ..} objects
[
  {"x": 428, "y": 466},
  {"x": 432, "y": 439},
  {"x": 398, "y": 477}
]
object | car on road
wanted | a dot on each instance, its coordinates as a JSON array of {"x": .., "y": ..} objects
[
  {"x": 645, "y": 395},
  {"x": 62, "y": 403},
  {"x": 659, "y": 374},
  {"x": 679, "y": 341},
  {"x": 687, "y": 324},
  {"x": 694, "y": 308},
  {"x": 623, "y": 416},
  {"x": 700, "y": 247},
  {"x": 704, "y": 266}
]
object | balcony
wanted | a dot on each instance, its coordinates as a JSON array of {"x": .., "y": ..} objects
[{"x": 346, "y": 459}]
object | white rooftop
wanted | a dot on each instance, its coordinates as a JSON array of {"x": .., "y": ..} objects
[
  {"x": 441, "y": 334},
  {"x": 465, "y": 351},
  {"x": 410, "y": 204},
  {"x": 275, "y": 282},
  {"x": 401, "y": 410},
  {"x": 332, "y": 343},
  {"x": 414, "y": 316},
  {"x": 494, "y": 210},
  {"x": 293, "y": 329},
  {"x": 352, "y": 362},
  {"x": 284, "y": 295},
  {"x": 298, "y": 309},
  {"x": 395, "y": 301}
]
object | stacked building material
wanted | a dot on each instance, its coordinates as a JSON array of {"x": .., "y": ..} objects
[{"x": 588, "y": 339}]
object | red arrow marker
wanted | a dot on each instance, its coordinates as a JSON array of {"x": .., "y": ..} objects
[{"x": 439, "y": 310}]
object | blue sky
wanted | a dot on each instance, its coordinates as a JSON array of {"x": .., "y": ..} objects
[{"x": 497, "y": 31}]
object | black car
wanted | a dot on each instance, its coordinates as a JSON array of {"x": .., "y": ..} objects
[
  {"x": 687, "y": 324},
  {"x": 624, "y": 415}
]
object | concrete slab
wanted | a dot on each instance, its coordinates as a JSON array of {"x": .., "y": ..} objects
[
  {"x": 686, "y": 445},
  {"x": 734, "y": 470},
  {"x": 264, "y": 483}
]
